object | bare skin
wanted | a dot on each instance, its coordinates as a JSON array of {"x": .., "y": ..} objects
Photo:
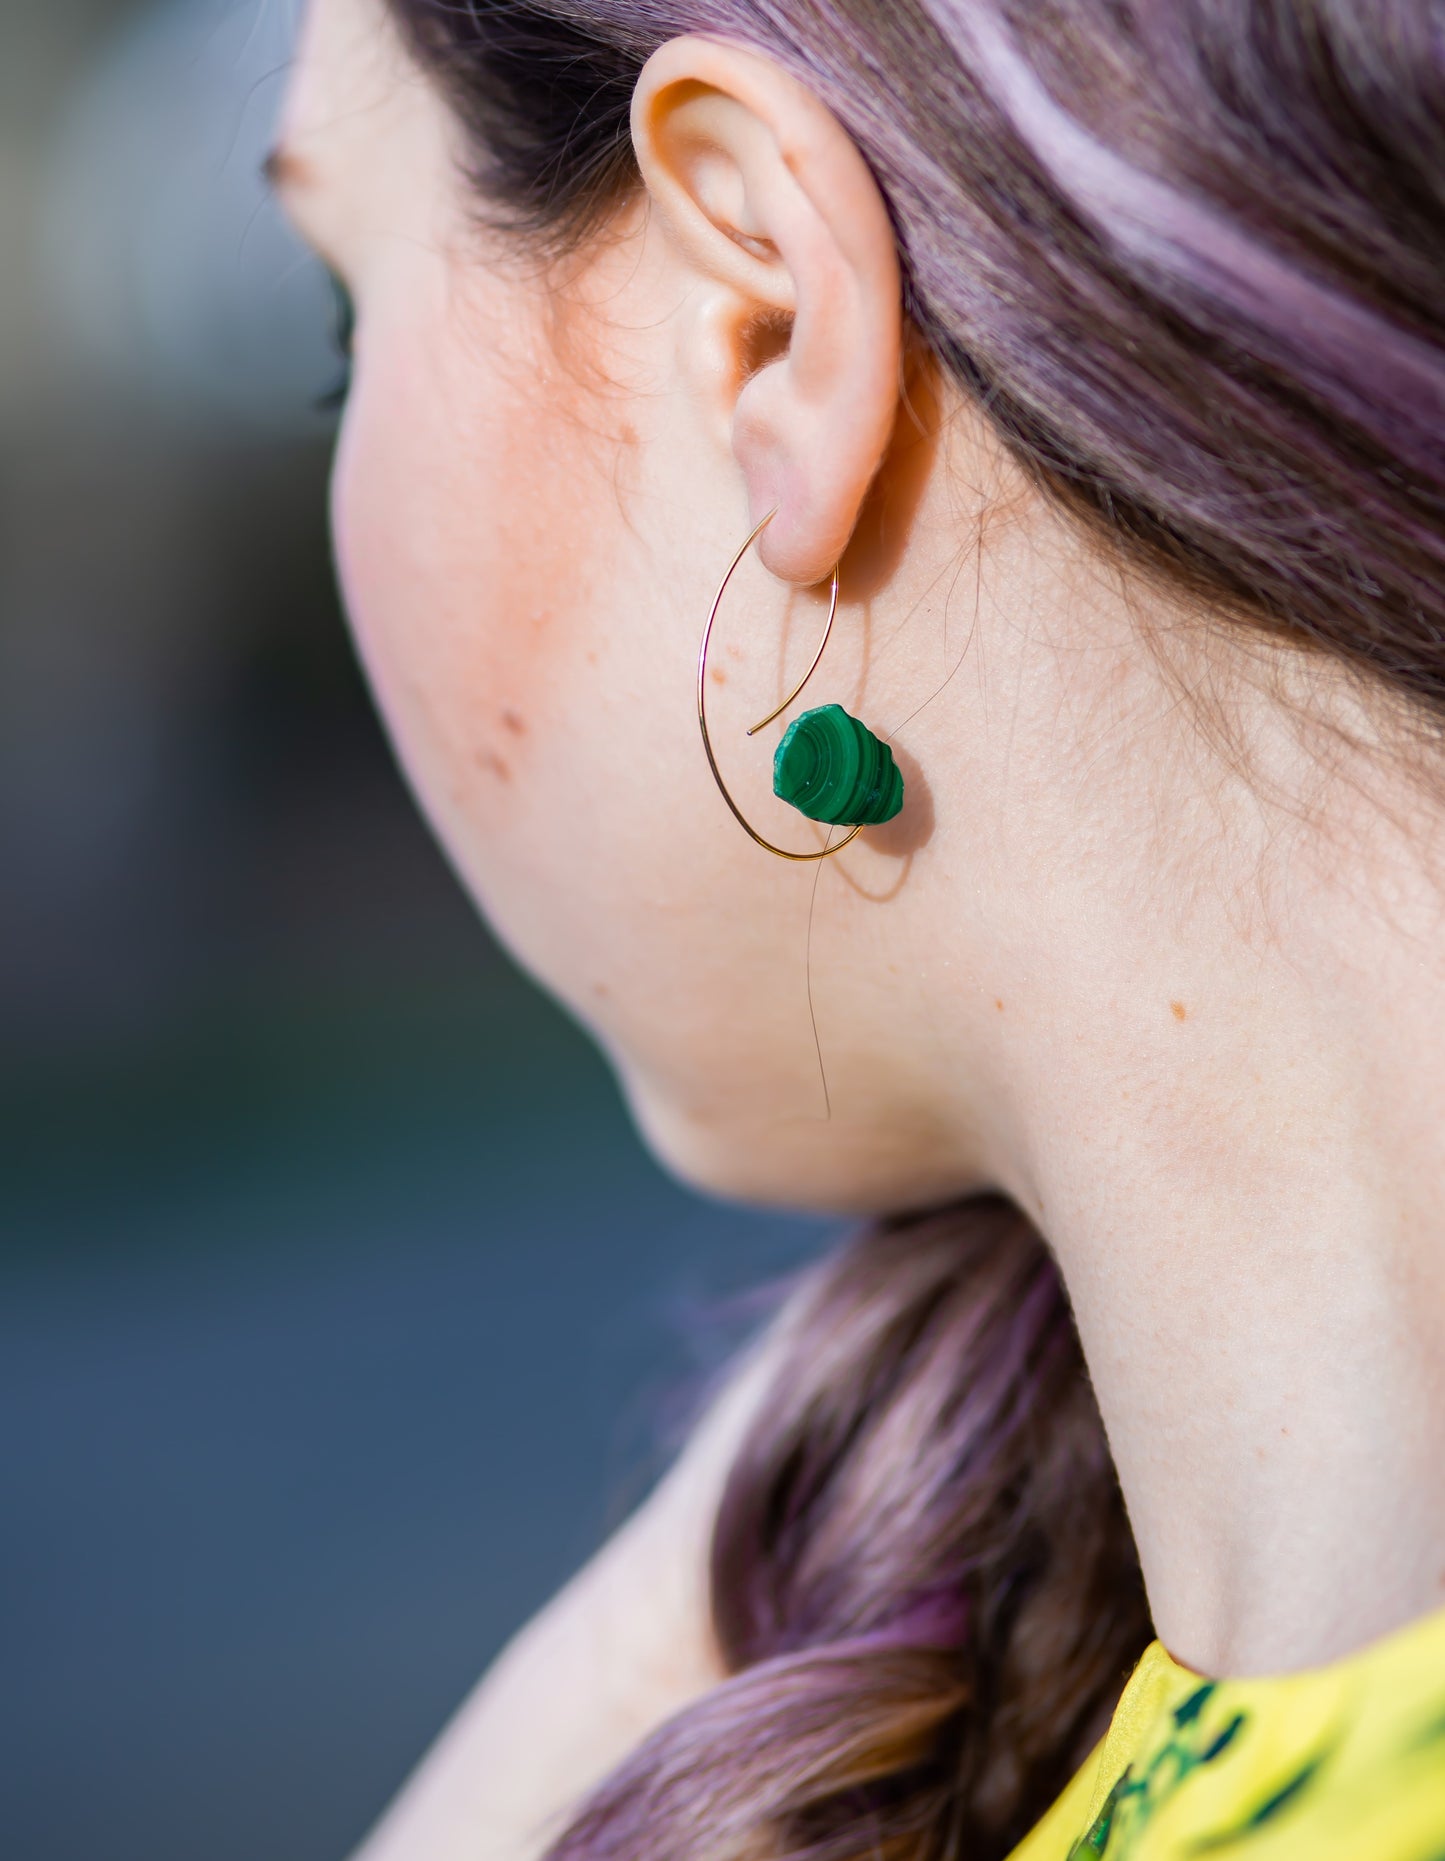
[{"x": 1167, "y": 969}]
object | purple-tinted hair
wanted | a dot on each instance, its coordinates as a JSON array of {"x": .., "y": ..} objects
[{"x": 1188, "y": 257}]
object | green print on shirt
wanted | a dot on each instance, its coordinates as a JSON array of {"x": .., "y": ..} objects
[
  {"x": 1432, "y": 1734},
  {"x": 1262, "y": 1812},
  {"x": 1134, "y": 1801}
]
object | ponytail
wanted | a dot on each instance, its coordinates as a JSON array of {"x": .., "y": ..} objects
[{"x": 923, "y": 1582}]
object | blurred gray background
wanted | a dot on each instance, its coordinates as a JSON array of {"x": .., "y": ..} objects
[{"x": 341, "y": 1313}]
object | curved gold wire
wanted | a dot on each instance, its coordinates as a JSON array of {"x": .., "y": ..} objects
[{"x": 782, "y": 852}]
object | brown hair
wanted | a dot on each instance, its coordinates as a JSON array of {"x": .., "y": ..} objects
[{"x": 923, "y": 1584}]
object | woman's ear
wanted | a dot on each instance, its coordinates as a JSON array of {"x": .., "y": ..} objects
[{"x": 797, "y": 315}]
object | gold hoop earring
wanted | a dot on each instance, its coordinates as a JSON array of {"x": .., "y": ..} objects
[{"x": 828, "y": 765}]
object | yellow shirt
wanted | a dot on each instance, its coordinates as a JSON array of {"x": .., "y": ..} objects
[{"x": 1338, "y": 1763}]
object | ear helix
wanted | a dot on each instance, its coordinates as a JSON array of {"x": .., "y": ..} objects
[{"x": 828, "y": 765}]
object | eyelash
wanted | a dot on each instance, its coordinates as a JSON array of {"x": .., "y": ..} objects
[{"x": 343, "y": 327}]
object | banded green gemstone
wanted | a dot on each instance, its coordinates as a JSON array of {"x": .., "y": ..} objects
[{"x": 832, "y": 768}]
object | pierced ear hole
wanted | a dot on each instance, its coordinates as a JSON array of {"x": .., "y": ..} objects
[{"x": 765, "y": 339}]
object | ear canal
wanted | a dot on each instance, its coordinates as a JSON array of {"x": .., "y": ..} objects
[{"x": 765, "y": 339}]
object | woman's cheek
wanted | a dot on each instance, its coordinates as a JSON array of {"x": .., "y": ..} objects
[
  {"x": 441, "y": 554},
  {"x": 426, "y": 602},
  {"x": 542, "y": 712},
  {"x": 360, "y": 547}
]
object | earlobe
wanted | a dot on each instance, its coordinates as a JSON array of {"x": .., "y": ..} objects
[{"x": 768, "y": 200}]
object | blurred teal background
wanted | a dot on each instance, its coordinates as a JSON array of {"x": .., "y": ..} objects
[{"x": 341, "y": 1313}]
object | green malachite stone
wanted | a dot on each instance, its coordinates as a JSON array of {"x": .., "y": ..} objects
[{"x": 832, "y": 768}]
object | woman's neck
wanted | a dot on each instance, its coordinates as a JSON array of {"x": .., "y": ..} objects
[
  {"x": 1234, "y": 1139},
  {"x": 1262, "y": 1308},
  {"x": 1197, "y": 966}
]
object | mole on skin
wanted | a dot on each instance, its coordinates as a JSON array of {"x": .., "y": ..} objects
[{"x": 1178, "y": 1010}]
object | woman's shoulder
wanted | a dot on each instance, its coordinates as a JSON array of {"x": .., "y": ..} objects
[{"x": 1338, "y": 1763}]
